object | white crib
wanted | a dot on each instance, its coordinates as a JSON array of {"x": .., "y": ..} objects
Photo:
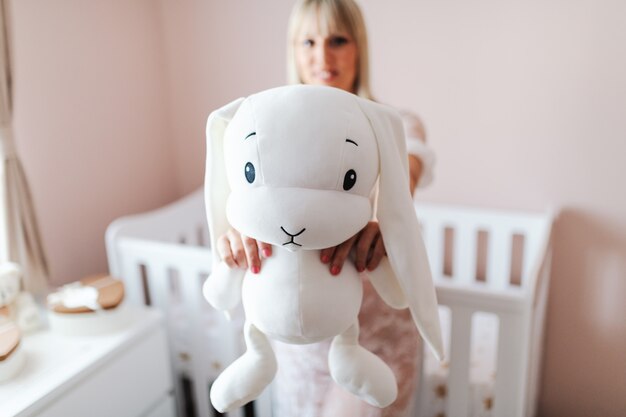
[{"x": 483, "y": 261}]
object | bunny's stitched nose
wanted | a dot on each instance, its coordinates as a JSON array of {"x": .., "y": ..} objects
[{"x": 291, "y": 236}]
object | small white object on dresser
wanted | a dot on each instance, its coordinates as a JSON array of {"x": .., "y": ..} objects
[{"x": 123, "y": 374}]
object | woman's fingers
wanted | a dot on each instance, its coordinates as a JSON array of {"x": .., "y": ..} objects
[
  {"x": 251, "y": 249},
  {"x": 242, "y": 251},
  {"x": 369, "y": 250},
  {"x": 340, "y": 254},
  {"x": 326, "y": 255},
  {"x": 236, "y": 248},
  {"x": 225, "y": 252},
  {"x": 265, "y": 249},
  {"x": 365, "y": 245},
  {"x": 377, "y": 253}
]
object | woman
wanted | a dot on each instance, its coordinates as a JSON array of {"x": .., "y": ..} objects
[{"x": 327, "y": 45}]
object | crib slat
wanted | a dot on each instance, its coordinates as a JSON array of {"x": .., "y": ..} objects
[
  {"x": 458, "y": 379},
  {"x": 204, "y": 239},
  {"x": 433, "y": 237},
  {"x": 499, "y": 258},
  {"x": 509, "y": 387},
  {"x": 157, "y": 275},
  {"x": 532, "y": 249},
  {"x": 158, "y": 285},
  {"x": 131, "y": 274},
  {"x": 464, "y": 253},
  {"x": 192, "y": 296}
]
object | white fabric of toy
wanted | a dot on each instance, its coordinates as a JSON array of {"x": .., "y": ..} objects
[
  {"x": 16, "y": 305},
  {"x": 76, "y": 295},
  {"x": 295, "y": 167}
]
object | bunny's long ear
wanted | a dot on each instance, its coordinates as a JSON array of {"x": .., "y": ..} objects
[
  {"x": 399, "y": 226},
  {"x": 216, "y": 189}
]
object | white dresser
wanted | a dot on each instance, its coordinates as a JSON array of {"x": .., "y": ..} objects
[{"x": 122, "y": 374}]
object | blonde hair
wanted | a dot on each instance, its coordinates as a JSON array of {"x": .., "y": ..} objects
[{"x": 334, "y": 15}]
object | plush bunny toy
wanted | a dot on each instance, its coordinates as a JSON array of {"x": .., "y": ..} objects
[{"x": 295, "y": 167}]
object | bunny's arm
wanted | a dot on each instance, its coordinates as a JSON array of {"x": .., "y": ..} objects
[{"x": 222, "y": 289}]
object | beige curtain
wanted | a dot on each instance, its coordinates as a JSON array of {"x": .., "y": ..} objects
[{"x": 20, "y": 240}]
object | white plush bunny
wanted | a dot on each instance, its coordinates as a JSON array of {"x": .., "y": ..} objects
[
  {"x": 295, "y": 167},
  {"x": 16, "y": 305}
]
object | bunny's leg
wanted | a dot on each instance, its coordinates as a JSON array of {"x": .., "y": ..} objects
[
  {"x": 246, "y": 378},
  {"x": 360, "y": 371}
]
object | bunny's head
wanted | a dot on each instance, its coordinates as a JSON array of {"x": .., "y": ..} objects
[
  {"x": 301, "y": 164},
  {"x": 295, "y": 166}
]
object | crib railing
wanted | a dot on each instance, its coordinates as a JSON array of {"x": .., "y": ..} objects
[
  {"x": 491, "y": 262},
  {"x": 482, "y": 261},
  {"x": 147, "y": 268}
]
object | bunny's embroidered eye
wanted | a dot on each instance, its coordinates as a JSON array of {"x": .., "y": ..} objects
[
  {"x": 349, "y": 180},
  {"x": 250, "y": 172}
]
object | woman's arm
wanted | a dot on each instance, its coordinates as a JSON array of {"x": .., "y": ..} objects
[
  {"x": 421, "y": 157},
  {"x": 415, "y": 172}
]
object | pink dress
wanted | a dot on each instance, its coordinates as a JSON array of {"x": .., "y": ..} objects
[{"x": 303, "y": 386}]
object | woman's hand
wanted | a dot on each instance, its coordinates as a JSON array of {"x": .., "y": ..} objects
[
  {"x": 368, "y": 243},
  {"x": 240, "y": 251},
  {"x": 369, "y": 249}
]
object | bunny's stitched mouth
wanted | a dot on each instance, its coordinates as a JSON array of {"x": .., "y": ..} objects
[{"x": 291, "y": 236}]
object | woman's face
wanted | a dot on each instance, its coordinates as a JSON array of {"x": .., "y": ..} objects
[{"x": 325, "y": 58}]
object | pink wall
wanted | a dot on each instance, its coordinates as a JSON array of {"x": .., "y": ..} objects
[
  {"x": 216, "y": 52},
  {"x": 524, "y": 104},
  {"x": 91, "y": 121}
]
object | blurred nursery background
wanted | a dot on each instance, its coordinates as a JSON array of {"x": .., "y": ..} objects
[{"x": 524, "y": 104}]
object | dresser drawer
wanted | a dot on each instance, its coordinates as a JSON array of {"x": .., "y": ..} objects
[{"x": 122, "y": 375}]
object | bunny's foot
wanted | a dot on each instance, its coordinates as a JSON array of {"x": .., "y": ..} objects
[
  {"x": 360, "y": 371},
  {"x": 246, "y": 378}
]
